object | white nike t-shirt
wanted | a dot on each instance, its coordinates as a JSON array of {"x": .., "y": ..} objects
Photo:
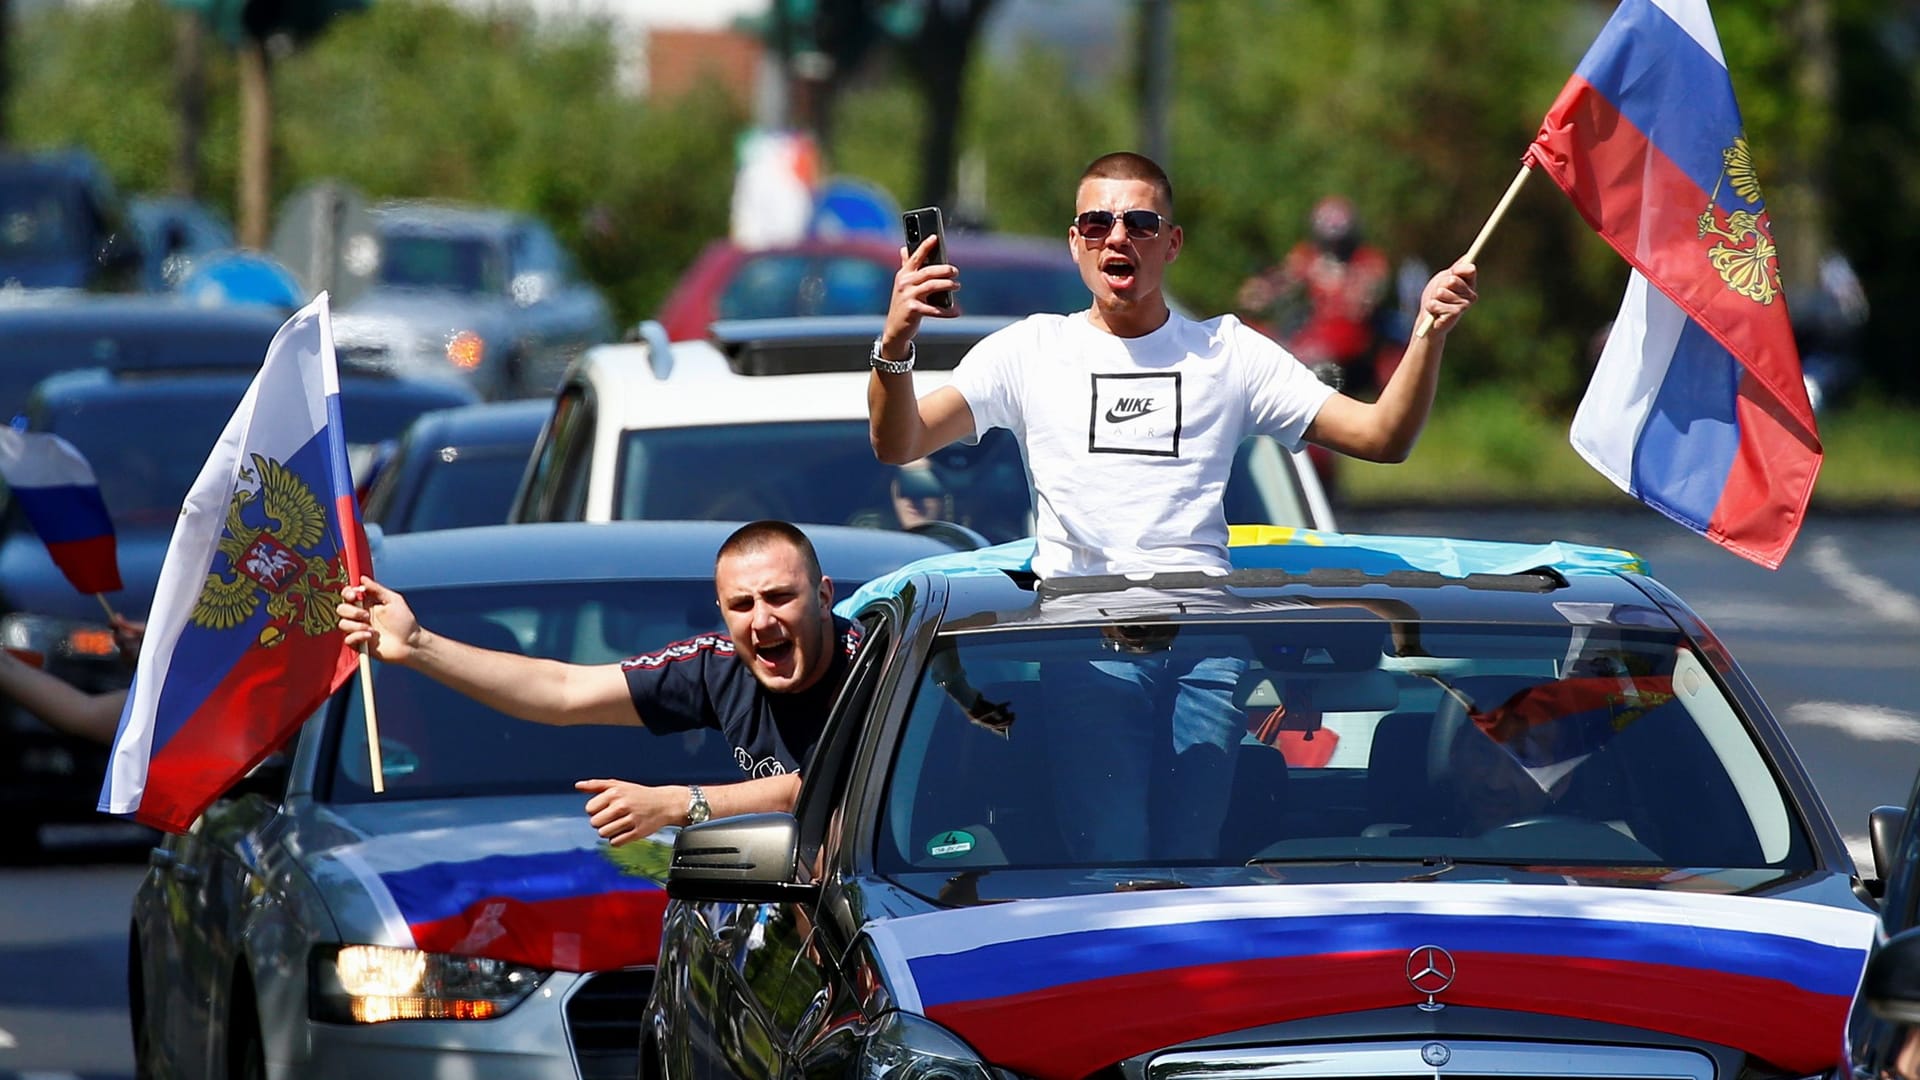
[{"x": 1129, "y": 441}]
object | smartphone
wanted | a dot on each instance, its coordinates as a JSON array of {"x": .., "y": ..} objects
[{"x": 920, "y": 224}]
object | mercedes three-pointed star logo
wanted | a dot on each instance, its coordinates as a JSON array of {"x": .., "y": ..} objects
[{"x": 1430, "y": 970}]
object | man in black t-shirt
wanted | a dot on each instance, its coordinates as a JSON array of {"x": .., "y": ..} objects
[{"x": 766, "y": 684}]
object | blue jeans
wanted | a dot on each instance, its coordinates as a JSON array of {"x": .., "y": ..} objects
[{"x": 1142, "y": 748}]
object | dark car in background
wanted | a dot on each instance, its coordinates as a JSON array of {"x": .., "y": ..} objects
[
  {"x": 1883, "y": 1032},
  {"x": 483, "y": 296},
  {"x": 1000, "y": 275},
  {"x": 1493, "y": 810},
  {"x": 146, "y": 436},
  {"x": 455, "y": 467},
  {"x": 128, "y": 334},
  {"x": 63, "y": 226},
  {"x": 175, "y": 233},
  {"x": 324, "y": 930}
]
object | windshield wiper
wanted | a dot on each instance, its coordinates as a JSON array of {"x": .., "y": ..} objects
[
  {"x": 1148, "y": 884},
  {"x": 1341, "y": 860}
]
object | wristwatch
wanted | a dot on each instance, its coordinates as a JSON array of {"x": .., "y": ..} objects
[
  {"x": 893, "y": 367},
  {"x": 697, "y": 808}
]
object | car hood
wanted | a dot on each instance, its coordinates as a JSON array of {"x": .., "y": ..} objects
[
  {"x": 1769, "y": 976},
  {"x": 32, "y": 582},
  {"x": 523, "y": 879}
]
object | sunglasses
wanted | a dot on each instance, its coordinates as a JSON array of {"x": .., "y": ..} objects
[{"x": 1140, "y": 224}]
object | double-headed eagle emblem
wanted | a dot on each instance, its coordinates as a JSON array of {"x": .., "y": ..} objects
[
  {"x": 272, "y": 528},
  {"x": 1744, "y": 255}
]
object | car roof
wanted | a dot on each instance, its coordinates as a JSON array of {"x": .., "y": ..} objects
[
  {"x": 110, "y": 315},
  {"x": 562, "y": 552},
  {"x": 438, "y": 216},
  {"x": 485, "y": 422},
  {"x": 1436, "y": 579}
]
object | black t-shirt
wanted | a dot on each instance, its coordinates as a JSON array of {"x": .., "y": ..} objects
[{"x": 699, "y": 682}]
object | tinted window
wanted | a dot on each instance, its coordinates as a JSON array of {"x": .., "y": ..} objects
[
  {"x": 472, "y": 487},
  {"x": 1352, "y": 741},
  {"x": 438, "y": 743},
  {"x": 442, "y": 261},
  {"x": 820, "y": 472},
  {"x": 782, "y": 285},
  {"x": 41, "y": 216},
  {"x": 34, "y": 355}
]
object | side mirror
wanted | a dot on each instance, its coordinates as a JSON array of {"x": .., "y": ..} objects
[
  {"x": 1883, "y": 832},
  {"x": 745, "y": 859},
  {"x": 1891, "y": 984}
]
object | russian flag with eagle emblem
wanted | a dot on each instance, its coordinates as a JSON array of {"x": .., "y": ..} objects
[
  {"x": 1697, "y": 406},
  {"x": 243, "y": 641}
]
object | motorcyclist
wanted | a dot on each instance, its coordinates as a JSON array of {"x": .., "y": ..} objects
[{"x": 1344, "y": 282}]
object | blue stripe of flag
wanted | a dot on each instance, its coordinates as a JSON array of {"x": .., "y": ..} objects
[
  {"x": 443, "y": 890},
  {"x": 1687, "y": 447},
  {"x": 65, "y": 512}
]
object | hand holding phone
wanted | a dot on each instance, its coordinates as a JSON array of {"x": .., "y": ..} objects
[{"x": 920, "y": 224}]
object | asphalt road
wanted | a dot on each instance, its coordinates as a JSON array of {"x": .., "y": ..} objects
[{"x": 1831, "y": 639}]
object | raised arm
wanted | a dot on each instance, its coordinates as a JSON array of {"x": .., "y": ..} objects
[
  {"x": 530, "y": 688},
  {"x": 1386, "y": 429},
  {"x": 905, "y": 428}
]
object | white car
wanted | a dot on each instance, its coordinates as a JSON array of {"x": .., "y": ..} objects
[{"x": 768, "y": 418}]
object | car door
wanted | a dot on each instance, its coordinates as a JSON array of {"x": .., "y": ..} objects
[{"x": 773, "y": 979}]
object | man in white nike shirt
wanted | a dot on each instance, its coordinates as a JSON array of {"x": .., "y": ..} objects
[{"x": 1129, "y": 417}]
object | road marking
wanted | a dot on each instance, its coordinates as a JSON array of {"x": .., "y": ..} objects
[
  {"x": 1832, "y": 565},
  {"x": 7, "y": 1041},
  {"x": 1859, "y": 721}
]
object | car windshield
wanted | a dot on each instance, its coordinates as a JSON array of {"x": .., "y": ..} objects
[
  {"x": 782, "y": 285},
  {"x": 34, "y": 355},
  {"x": 431, "y": 260},
  {"x": 819, "y": 472},
  {"x": 1310, "y": 740},
  {"x": 470, "y": 487},
  {"x": 146, "y": 450},
  {"x": 824, "y": 472},
  {"x": 437, "y": 743},
  {"x": 39, "y": 218}
]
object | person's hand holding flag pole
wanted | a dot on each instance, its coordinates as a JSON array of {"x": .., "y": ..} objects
[
  {"x": 243, "y": 642},
  {"x": 1697, "y": 406}
]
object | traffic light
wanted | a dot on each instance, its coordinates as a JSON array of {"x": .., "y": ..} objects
[{"x": 261, "y": 19}]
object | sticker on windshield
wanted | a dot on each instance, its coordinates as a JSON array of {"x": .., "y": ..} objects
[{"x": 950, "y": 844}]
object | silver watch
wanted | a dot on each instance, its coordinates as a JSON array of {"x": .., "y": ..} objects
[
  {"x": 893, "y": 367},
  {"x": 697, "y": 808}
]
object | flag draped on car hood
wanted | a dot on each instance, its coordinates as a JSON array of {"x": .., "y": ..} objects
[
  {"x": 1697, "y": 406},
  {"x": 243, "y": 641},
  {"x": 57, "y": 491},
  {"x": 1064, "y": 987}
]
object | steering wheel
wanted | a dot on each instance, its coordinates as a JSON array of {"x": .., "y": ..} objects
[{"x": 952, "y": 534}]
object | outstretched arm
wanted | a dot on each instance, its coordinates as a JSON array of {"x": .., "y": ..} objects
[
  {"x": 530, "y": 688},
  {"x": 1386, "y": 429},
  {"x": 63, "y": 706},
  {"x": 622, "y": 811}
]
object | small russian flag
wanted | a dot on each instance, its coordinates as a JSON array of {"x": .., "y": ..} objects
[{"x": 57, "y": 491}]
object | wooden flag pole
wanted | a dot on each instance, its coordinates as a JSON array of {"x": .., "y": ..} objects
[
  {"x": 373, "y": 725},
  {"x": 1473, "y": 251},
  {"x": 111, "y": 614}
]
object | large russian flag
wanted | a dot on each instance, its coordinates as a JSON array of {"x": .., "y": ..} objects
[
  {"x": 1697, "y": 407},
  {"x": 548, "y": 892},
  {"x": 242, "y": 641},
  {"x": 57, "y": 491}
]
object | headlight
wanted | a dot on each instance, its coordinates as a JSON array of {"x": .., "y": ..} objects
[
  {"x": 465, "y": 350},
  {"x": 907, "y": 1047},
  {"x": 370, "y": 984}
]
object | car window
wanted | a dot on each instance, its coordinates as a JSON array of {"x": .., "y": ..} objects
[
  {"x": 557, "y": 477},
  {"x": 34, "y": 355},
  {"x": 442, "y": 260},
  {"x": 471, "y": 487},
  {"x": 536, "y": 252},
  {"x": 781, "y": 285},
  {"x": 438, "y": 743},
  {"x": 41, "y": 216},
  {"x": 820, "y": 472},
  {"x": 1530, "y": 746}
]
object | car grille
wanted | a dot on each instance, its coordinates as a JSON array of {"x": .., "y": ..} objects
[
  {"x": 603, "y": 1019},
  {"x": 1434, "y": 1059}
]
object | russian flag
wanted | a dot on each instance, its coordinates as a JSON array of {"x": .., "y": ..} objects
[
  {"x": 58, "y": 493},
  {"x": 242, "y": 641},
  {"x": 547, "y": 892},
  {"x": 1697, "y": 406}
]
